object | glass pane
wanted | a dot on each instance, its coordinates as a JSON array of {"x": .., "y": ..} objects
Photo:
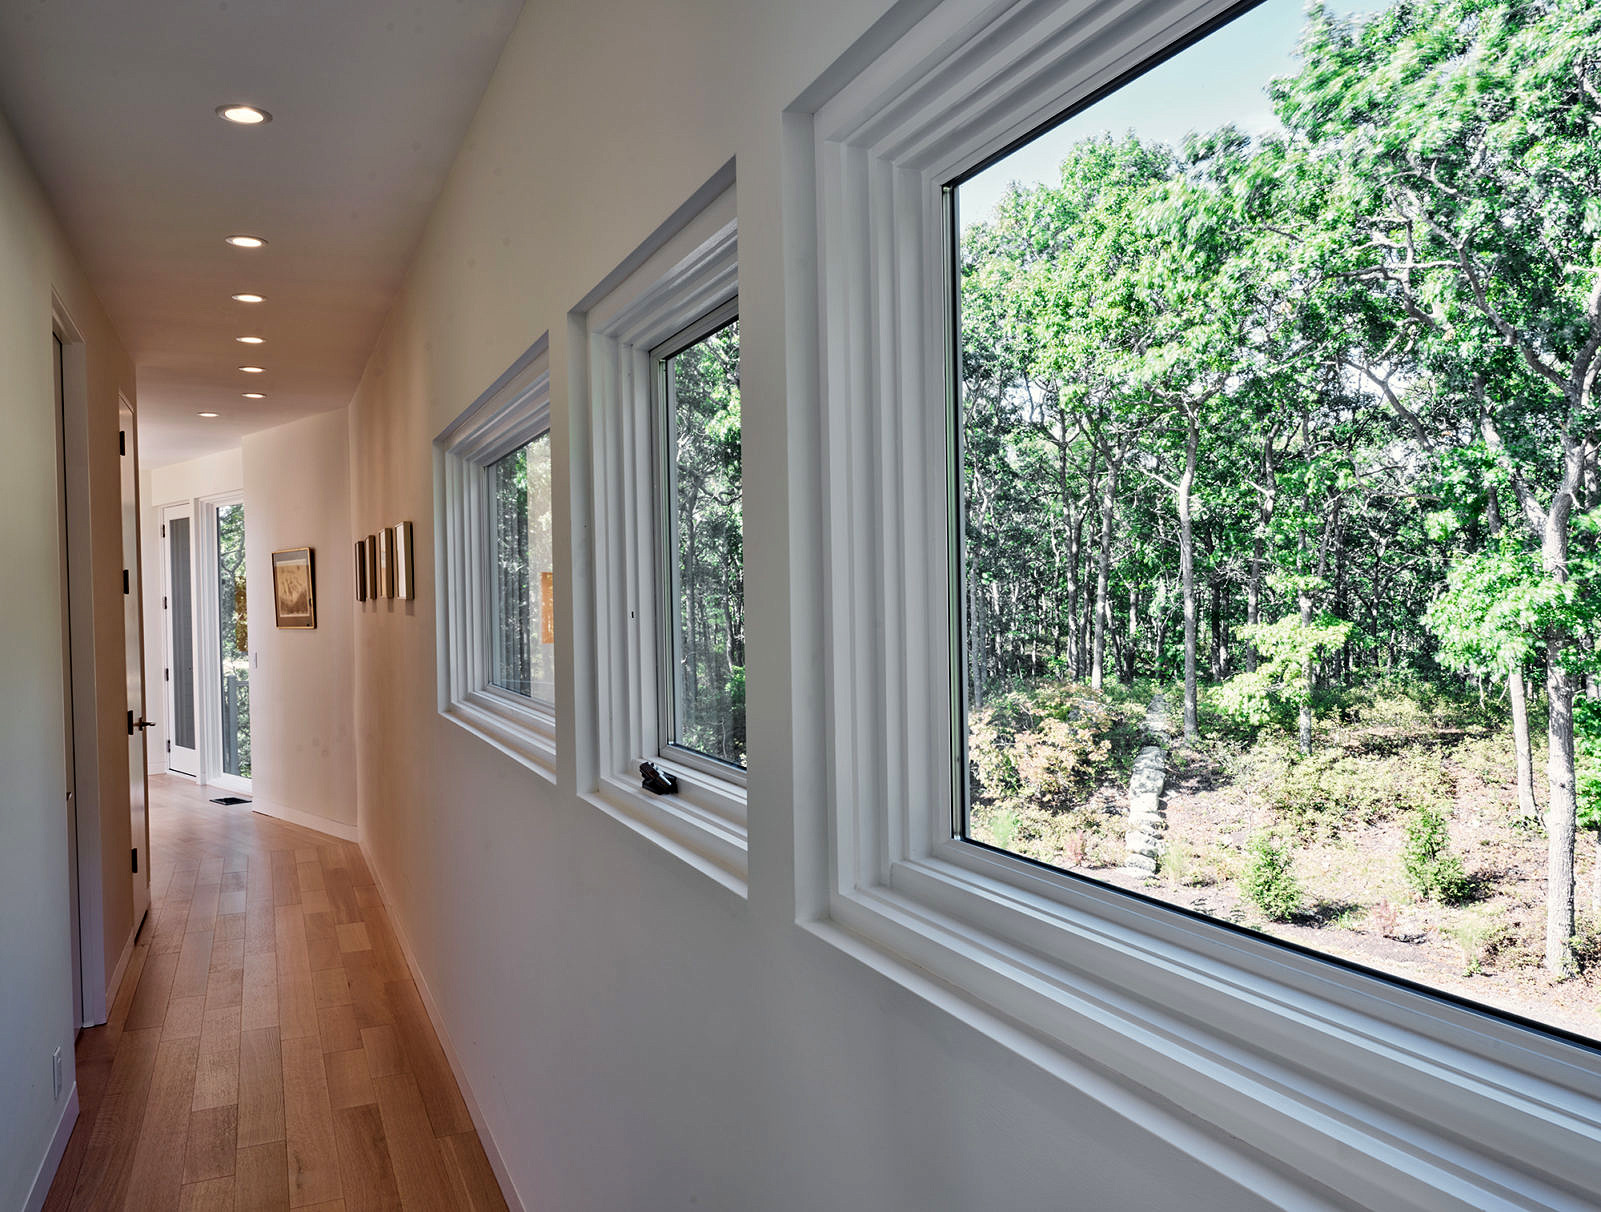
[
  {"x": 183, "y": 636},
  {"x": 235, "y": 640},
  {"x": 708, "y": 548},
  {"x": 1276, "y": 605},
  {"x": 522, "y": 621}
]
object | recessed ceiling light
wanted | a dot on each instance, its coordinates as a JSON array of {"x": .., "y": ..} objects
[
  {"x": 254, "y": 370},
  {"x": 243, "y": 115},
  {"x": 254, "y": 395},
  {"x": 245, "y": 241},
  {"x": 249, "y": 299},
  {"x": 250, "y": 340},
  {"x": 205, "y": 414}
]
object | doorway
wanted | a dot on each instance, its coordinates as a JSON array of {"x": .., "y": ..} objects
[{"x": 70, "y": 807}]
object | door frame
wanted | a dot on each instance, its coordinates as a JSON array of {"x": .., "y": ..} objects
[
  {"x": 208, "y": 635},
  {"x": 168, "y": 513},
  {"x": 133, "y": 651},
  {"x": 85, "y": 835}
]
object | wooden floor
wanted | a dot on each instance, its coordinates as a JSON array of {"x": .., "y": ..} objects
[{"x": 268, "y": 1048}]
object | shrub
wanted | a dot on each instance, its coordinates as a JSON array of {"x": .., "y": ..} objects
[
  {"x": 1269, "y": 879},
  {"x": 1431, "y": 869}
]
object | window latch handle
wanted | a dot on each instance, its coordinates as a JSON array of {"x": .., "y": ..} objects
[{"x": 658, "y": 779}]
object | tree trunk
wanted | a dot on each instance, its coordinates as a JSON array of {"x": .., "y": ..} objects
[
  {"x": 1560, "y": 818},
  {"x": 1304, "y": 723},
  {"x": 1192, "y": 439},
  {"x": 1103, "y": 570},
  {"x": 1518, "y": 694}
]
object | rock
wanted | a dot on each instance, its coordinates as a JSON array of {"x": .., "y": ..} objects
[{"x": 1147, "y": 818}]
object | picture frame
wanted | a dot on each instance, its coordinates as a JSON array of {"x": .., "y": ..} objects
[
  {"x": 294, "y": 589},
  {"x": 386, "y": 563},
  {"x": 405, "y": 567},
  {"x": 371, "y": 544},
  {"x": 361, "y": 570}
]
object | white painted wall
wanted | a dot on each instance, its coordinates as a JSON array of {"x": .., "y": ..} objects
[
  {"x": 35, "y": 945},
  {"x": 302, "y": 693},
  {"x": 636, "y": 1036},
  {"x": 175, "y": 484}
]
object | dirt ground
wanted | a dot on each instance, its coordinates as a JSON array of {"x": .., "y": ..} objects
[{"x": 1358, "y": 904}]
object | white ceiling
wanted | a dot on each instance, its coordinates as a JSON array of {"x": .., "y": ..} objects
[{"x": 113, "y": 102}]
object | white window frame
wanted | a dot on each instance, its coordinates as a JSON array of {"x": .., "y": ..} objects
[
  {"x": 683, "y": 275},
  {"x": 1314, "y": 1083},
  {"x": 667, "y": 588},
  {"x": 512, "y": 412}
]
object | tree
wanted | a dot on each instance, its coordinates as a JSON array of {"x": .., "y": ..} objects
[{"x": 1452, "y": 147}]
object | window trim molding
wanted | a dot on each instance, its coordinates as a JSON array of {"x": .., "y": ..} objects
[
  {"x": 1323, "y": 1082},
  {"x": 511, "y": 412},
  {"x": 661, "y": 293}
]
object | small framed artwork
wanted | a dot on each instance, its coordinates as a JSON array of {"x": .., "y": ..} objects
[
  {"x": 386, "y": 563},
  {"x": 294, "y": 589},
  {"x": 405, "y": 572},
  {"x": 361, "y": 571},
  {"x": 372, "y": 567}
]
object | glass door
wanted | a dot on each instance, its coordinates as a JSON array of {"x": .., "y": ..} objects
[
  {"x": 183, "y": 746},
  {"x": 233, "y": 643}
]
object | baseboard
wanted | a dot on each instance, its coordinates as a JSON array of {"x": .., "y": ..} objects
[
  {"x": 114, "y": 985},
  {"x": 306, "y": 820},
  {"x": 52, "y": 1157},
  {"x": 508, "y": 1189}
]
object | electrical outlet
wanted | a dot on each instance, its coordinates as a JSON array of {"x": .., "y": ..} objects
[{"x": 55, "y": 1072}]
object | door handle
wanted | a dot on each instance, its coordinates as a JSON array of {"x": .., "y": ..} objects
[{"x": 141, "y": 725}]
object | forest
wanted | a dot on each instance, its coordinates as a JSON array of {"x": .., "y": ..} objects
[{"x": 1300, "y": 429}]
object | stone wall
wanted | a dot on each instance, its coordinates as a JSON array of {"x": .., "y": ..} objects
[{"x": 1147, "y": 819}]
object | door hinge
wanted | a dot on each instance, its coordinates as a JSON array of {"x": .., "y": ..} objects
[
  {"x": 163, "y": 530},
  {"x": 169, "y": 746},
  {"x": 124, "y": 581},
  {"x": 130, "y": 723},
  {"x": 122, "y": 441},
  {"x": 166, "y": 675},
  {"x": 136, "y": 860},
  {"x": 163, "y": 601}
]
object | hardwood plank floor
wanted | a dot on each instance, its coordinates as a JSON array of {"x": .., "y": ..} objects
[{"x": 268, "y": 1049}]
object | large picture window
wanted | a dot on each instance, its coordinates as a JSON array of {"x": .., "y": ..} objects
[
  {"x": 1206, "y": 441},
  {"x": 1262, "y": 542}
]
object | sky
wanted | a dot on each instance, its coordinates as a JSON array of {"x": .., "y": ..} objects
[{"x": 1221, "y": 79}]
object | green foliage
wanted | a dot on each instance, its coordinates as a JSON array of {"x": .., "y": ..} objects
[
  {"x": 1496, "y": 606},
  {"x": 1279, "y": 681},
  {"x": 1321, "y": 796},
  {"x": 1269, "y": 880},
  {"x": 1047, "y": 744},
  {"x": 1587, "y": 743},
  {"x": 1431, "y": 869}
]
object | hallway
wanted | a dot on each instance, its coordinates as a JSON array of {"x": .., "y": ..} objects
[{"x": 268, "y": 1048}]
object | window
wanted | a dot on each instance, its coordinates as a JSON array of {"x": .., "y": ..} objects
[
  {"x": 659, "y": 675},
  {"x": 496, "y": 589},
  {"x": 704, "y": 707},
  {"x": 522, "y": 615},
  {"x": 952, "y": 335}
]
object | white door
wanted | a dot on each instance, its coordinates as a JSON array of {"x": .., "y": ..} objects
[
  {"x": 178, "y": 602},
  {"x": 66, "y": 701},
  {"x": 133, "y": 646}
]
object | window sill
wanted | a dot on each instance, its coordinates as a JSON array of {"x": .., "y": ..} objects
[
  {"x": 1382, "y": 1095},
  {"x": 702, "y": 824},
  {"x": 526, "y": 734}
]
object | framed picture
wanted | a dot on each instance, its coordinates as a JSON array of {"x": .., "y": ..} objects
[
  {"x": 361, "y": 570},
  {"x": 386, "y": 563},
  {"x": 405, "y": 572},
  {"x": 294, "y": 589},
  {"x": 372, "y": 567}
]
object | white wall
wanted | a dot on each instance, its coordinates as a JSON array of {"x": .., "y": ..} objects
[
  {"x": 302, "y": 693},
  {"x": 175, "y": 484},
  {"x": 636, "y": 1036},
  {"x": 35, "y": 942}
]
